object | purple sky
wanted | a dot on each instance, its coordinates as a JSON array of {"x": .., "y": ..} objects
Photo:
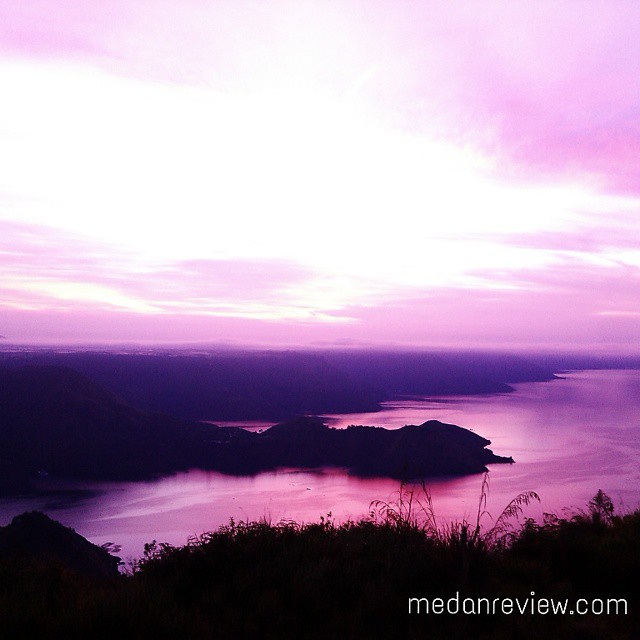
[{"x": 301, "y": 173}]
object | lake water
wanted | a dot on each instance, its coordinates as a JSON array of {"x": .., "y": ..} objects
[{"x": 569, "y": 438}]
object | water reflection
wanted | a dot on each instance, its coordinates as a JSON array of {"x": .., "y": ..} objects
[{"x": 569, "y": 438}]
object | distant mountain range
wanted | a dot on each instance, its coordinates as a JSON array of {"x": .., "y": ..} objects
[{"x": 54, "y": 420}]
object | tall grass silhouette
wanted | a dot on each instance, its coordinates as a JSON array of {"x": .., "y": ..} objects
[{"x": 414, "y": 508}]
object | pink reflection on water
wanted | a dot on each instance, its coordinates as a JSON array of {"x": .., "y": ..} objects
[{"x": 569, "y": 438}]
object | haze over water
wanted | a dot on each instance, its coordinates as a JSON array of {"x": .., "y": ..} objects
[{"x": 569, "y": 437}]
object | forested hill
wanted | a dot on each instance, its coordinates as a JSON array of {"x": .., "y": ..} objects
[
  {"x": 58, "y": 421},
  {"x": 279, "y": 385}
]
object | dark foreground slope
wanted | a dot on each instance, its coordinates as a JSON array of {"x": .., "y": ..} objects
[
  {"x": 351, "y": 581},
  {"x": 56, "y": 421},
  {"x": 35, "y": 538}
]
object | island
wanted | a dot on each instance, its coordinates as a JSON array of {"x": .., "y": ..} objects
[{"x": 414, "y": 451}]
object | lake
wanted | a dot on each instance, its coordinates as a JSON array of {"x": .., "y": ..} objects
[{"x": 569, "y": 438}]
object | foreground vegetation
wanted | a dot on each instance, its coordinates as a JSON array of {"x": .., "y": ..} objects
[{"x": 349, "y": 580}]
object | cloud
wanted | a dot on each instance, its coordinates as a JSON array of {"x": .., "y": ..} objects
[
  {"x": 59, "y": 287},
  {"x": 65, "y": 27},
  {"x": 505, "y": 318},
  {"x": 218, "y": 45},
  {"x": 609, "y": 227},
  {"x": 548, "y": 90},
  {"x": 42, "y": 267},
  {"x": 551, "y": 89},
  {"x": 390, "y": 171}
]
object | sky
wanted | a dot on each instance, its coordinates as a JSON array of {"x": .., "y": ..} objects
[{"x": 320, "y": 173}]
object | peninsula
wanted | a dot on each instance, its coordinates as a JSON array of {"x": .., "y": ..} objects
[{"x": 56, "y": 421}]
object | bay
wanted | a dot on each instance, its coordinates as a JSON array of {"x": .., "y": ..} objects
[{"x": 569, "y": 437}]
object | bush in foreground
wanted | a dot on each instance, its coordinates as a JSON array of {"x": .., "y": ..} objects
[{"x": 350, "y": 580}]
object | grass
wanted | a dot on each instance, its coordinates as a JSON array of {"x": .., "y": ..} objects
[
  {"x": 414, "y": 509},
  {"x": 347, "y": 580}
]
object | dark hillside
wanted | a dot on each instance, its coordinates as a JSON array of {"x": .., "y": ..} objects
[
  {"x": 34, "y": 537},
  {"x": 56, "y": 420},
  {"x": 279, "y": 385}
]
